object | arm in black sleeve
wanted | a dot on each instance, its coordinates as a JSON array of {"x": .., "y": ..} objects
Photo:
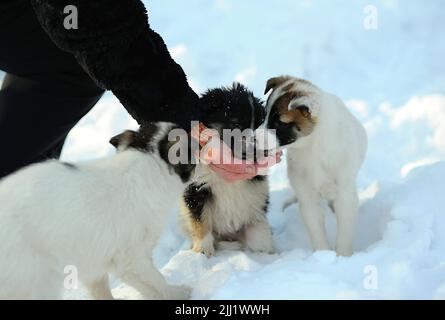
[{"x": 117, "y": 48}]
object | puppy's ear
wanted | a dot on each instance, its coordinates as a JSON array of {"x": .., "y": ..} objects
[
  {"x": 123, "y": 140},
  {"x": 272, "y": 83},
  {"x": 300, "y": 112}
]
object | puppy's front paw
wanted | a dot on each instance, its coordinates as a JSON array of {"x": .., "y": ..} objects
[
  {"x": 205, "y": 245},
  {"x": 267, "y": 250},
  {"x": 208, "y": 250}
]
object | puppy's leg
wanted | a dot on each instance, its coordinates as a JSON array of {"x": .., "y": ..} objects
[
  {"x": 194, "y": 207},
  {"x": 100, "y": 289},
  {"x": 258, "y": 237},
  {"x": 144, "y": 277},
  {"x": 313, "y": 216},
  {"x": 346, "y": 208},
  {"x": 203, "y": 240}
]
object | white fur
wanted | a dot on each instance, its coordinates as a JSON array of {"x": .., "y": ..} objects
[
  {"x": 324, "y": 165},
  {"x": 103, "y": 216}
]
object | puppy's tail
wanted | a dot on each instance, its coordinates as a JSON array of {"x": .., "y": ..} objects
[
  {"x": 229, "y": 245},
  {"x": 289, "y": 202}
]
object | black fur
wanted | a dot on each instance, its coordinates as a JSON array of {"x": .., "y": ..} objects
[
  {"x": 196, "y": 195},
  {"x": 145, "y": 135},
  {"x": 266, "y": 205},
  {"x": 140, "y": 140},
  {"x": 230, "y": 108},
  {"x": 117, "y": 48},
  {"x": 259, "y": 179},
  {"x": 286, "y": 133},
  {"x": 183, "y": 170}
]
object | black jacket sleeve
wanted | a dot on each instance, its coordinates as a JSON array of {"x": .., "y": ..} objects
[{"x": 117, "y": 48}]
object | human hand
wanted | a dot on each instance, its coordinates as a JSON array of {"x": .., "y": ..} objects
[{"x": 218, "y": 156}]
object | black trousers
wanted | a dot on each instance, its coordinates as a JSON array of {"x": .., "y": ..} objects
[{"x": 44, "y": 93}]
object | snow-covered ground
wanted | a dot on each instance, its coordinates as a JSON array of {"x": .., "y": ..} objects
[{"x": 392, "y": 78}]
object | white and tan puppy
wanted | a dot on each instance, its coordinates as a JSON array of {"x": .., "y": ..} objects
[
  {"x": 100, "y": 217},
  {"x": 326, "y": 146}
]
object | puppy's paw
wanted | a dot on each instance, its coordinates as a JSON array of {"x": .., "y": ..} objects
[
  {"x": 258, "y": 238},
  {"x": 265, "y": 248},
  {"x": 270, "y": 250},
  {"x": 205, "y": 245},
  {"x": 208, "y": 250}
]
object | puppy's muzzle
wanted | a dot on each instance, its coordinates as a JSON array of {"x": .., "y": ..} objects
[{"x": 266, "y": 142}]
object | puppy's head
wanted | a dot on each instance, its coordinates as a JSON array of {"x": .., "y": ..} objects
[
  {"x": 292, "y": 108},
  {"x": 233, "y": 108},
  {"x": 154, "y": 138}
]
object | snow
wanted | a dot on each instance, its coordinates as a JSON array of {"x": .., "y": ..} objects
[{"x": 392, "y": 78}]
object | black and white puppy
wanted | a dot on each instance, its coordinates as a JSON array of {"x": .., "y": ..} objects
[
  {"x": 98, "y": 217},
  {"x": 217, "y": 213}
]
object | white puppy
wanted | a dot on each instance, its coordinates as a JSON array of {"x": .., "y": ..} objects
[
  {"x": 100, "y": 217},
  {"x": 326, "y": 147}
]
